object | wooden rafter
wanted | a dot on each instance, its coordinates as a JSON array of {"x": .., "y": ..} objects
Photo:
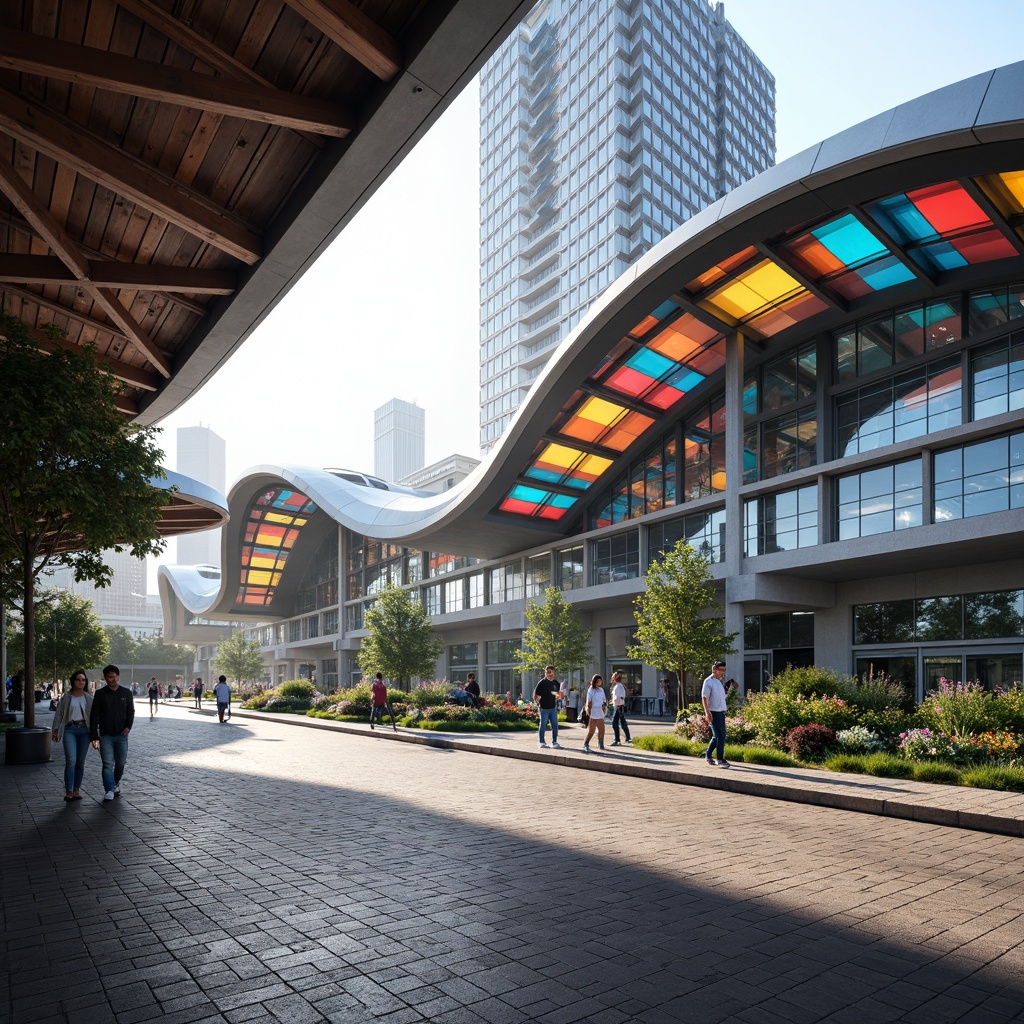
[
  {"x": 70, "y": 144},
  {"x": 51, "y": 58},
  {"x": 35, "y": 212},
  {"x": 23, "y": 268},
  {"x": 343, "y": 23},
  {"x": 133, "y": 375},
  {"x": 88, "y": 322}
]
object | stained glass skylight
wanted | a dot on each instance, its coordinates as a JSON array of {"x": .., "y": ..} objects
[
  {"x": 275, "y": 519},
  {"x": 764, "y": 296},
  {"x": 844, "y": 257},
  {"x": 941, "y": 227}
]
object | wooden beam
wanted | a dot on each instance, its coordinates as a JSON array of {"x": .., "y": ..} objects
[
  {"x": 23, "y": 268},
  {"x": 70, "y": 144},
  {"x": 343, "y": 23},
  {"x": 31, "y": 207},
  {"x": 86, "y": 65},
  {"x": 103, "y": 326},
  {"x": 127, "y": 406},
  {"x": 132, "y": 375}
]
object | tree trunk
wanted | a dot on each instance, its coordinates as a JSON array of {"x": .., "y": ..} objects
[{"x": 29, "y": 616}]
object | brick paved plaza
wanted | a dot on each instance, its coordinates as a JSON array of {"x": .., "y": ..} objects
[{"x": 258, "y": 871}]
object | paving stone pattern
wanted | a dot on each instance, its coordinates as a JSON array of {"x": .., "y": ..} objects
[{"x": 257, "y": 872}]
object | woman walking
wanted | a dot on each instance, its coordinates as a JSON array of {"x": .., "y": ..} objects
[
  {"x": 71, "y": 725},
  {"x": 596, "y": 701}
]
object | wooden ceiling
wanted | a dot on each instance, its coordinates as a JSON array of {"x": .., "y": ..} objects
[{"x": 169, "y": 167}]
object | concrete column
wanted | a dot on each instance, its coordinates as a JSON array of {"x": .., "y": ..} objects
[{"x": 734, "y": 360}]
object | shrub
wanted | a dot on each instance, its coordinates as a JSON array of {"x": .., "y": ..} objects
[
  {"x": 301, "y": 688},
  {"x": 772, "y": 715},
  {"x": 937, "y": 771},
  {"x": 887, "y": 723},
  {"x": 959, "y": 709},
  {"x": 1009, "y": 709},
  {"x": 810, "y": 681},
  {"x": 665, "y": 743},
  {"x": 994, "y": 777},
  {"x": 427, "y": 694},
  {"x": 809, "y": 742},
  {"x": 859, "y": 739},
  {"x": 853, "y": 764},
  {"x": 888, "y": 766},
  {"x": 926, "y": 744},
  {"x": 281, "y": 705},
  {"x": 879, "y": 693},
  {"x": 259, "y": 701}
]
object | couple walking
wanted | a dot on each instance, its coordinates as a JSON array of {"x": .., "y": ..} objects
[{"x": 549, "y": 690}]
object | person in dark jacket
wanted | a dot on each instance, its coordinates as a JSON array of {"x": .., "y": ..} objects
[{"x": 110, "y": 721}]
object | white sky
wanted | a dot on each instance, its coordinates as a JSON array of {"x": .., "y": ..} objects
[{"x": 392, "y": 308}]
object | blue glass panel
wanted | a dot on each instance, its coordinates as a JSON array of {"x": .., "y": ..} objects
[
  {"x": 848, "y": 240},
  {"x": 685, "y": 380},
  {"x": 885, "y": 274},
  {"x": 902, "y": 219},
  {"x": 523, "y": 493},
  {"x": 545, "y": 475},
  {"x": 941, "y": 255},
  {"x": 652, "y": 363},
  {"x": 561, "y": 501},
  {"x": 667, "y": 308}
]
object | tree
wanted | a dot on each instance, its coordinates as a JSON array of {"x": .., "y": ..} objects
[
  {"x": 240, "y": 658},
  {"x": 401, "y": 641},
  {"x": 553, "y": 635},
  {"x": 152, "y": 650},
  {"x": 122, "y": 645},
  {"x": 69, "y": 635},
  {"x": 674, "y": 629},
  {"x": 75, "y": 476}
]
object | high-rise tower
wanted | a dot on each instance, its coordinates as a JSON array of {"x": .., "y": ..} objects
[
  {"x": 201, "y": 456},
  {"x": 399, "y": 443},
  {"x": 604, "y": 125}
]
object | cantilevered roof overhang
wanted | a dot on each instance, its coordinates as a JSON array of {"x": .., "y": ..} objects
[
  {"x": 168, "y": 170},
  {"x": 919, "y": 201}
]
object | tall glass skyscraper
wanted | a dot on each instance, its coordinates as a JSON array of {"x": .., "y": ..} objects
[{"x": 604, "y": 125}]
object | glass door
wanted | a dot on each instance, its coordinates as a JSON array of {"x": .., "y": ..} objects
[
  {"x": 947, "y": 665},
  {"x": 993, "y": 670}
]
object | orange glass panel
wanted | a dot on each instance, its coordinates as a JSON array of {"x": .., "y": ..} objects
[{"x": 720, "y": 270}]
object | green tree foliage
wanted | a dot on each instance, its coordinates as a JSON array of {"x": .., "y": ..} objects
[
  {"x": 122, "y": 645},
  {"x": 152, "y": 650},
  {"x": 401, "y": 641},
  {"x": 677, "y": 624},
  {"x": 240, "y": 659},
  {"x": 69, "y": 635},
  {"x": 75, "y": 476},
  {"x": 553, "y": 635}
]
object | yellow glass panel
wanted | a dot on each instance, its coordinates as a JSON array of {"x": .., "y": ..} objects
[
  {"x": 749, "y": 293},
  {"x": 601, "y": 411},
  {"x": 262, "y": 561},
  {"x": 594, "y": 464},
  {"x": 1014, "y": 182},
  {"x": 276, "y": 517},
  {"x": 258, "y": 579},
  {"x": 559, "y": 455},
  {"x": 267, "y": 539}
]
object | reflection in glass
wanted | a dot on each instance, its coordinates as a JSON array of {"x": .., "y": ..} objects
[
  {"x": 885, "y": 622},
  {"x": 994, "y": 615},
  {"x": 940, "y": 618}
]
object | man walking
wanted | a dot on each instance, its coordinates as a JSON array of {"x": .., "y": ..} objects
[
  {"x": 222, "y": 692},
  {"x": 546, "y": 693},
  {"x": 713, "y": 696},
  {"x": 197, "y": 693},
  {"x": 619, "y": 704},
  {"x": 110, "y": 721}
]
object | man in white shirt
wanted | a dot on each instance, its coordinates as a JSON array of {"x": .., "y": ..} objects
[
  {"x": 619, "y": 704},
  {"x": 223, "y": 694},
  {"x": 713, "y": 697}
]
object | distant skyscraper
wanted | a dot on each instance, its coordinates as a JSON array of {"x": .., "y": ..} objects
[
  {"x": 604, "y": 125},
  {"x": 398, "y": 440},
  {"x": 201, "y": 456}
]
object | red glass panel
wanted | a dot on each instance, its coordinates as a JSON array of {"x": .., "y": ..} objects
[
  {"x": 948, "y": 207},
  {"x": 984, "y": 246}
]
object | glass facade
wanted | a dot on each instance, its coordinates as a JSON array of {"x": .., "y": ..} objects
[
  {"x": 615, "y": 558},
  {"x": 783, "y": 521},
  {"x": 580, "y": 108},
  {"x": 703, "y": 531},
  {"x": 879, "y": 500},
  {"x": 975, "y": 479},
  {"x": 997, "y": 615}
]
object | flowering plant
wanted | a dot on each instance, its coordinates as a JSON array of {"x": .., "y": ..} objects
[{"x": 860, "y": 738}]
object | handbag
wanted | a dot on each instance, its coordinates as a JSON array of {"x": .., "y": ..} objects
[{"x": 583, "y": 718}]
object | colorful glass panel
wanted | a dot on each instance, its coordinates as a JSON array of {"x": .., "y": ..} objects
[
  {"x": 276, "y": 517},
  {"x": 942, "y": 227},
  {"x": 844, "y": 257}
]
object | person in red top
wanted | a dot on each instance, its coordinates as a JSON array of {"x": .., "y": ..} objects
[{"x": 379, "y": 698}]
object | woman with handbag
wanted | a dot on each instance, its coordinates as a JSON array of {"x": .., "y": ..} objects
[
  {"x": 71, "y": 725},
  {"x": 596, "y": 701}
]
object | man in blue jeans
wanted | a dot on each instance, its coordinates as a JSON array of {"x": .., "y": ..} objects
[
  {"x": 713, "y": 696},
  {"x": 111, "y": 719},
  {"x": 545, "y": 693}
]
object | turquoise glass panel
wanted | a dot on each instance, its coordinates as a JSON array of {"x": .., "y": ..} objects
[
  {"x": 902, "y": 219},
  {"x": 523, "y": 493},
  {"x": 685, "y": 380},
  {"x": 545, "y": 475},
  {"x": 652, "y": 363},
  {"x": 885, "y": 274},
  {"x": 561, "y": 501},
  {"x": 665, "y": 309},
  {"x": 848, "y": 240},
  {"x": 941, "y": 254}
]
